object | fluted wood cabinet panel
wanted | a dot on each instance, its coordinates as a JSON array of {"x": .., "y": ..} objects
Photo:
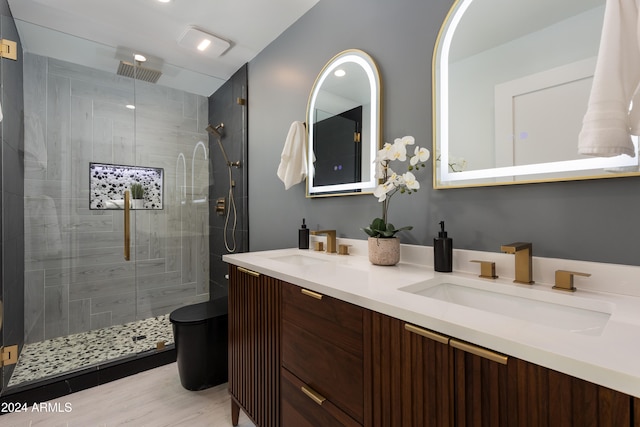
[
  {"x": 411, "y": 381},
  {"x": 254, "y": 346},
  {"x": 482, "y": 396},
  {"x": 636, "y": 412},
  {"x": 544, "y": 397}
]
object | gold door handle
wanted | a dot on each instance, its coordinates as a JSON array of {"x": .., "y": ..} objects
[
  {"x": 313, "y": 395},
  {"x": 311, "y": 294},
  {"x": 249, "y": 272},
  {"x": 479, "y": 351},
  {"x": 127, "y": 225},
  {"x": 427, "y": 334}
]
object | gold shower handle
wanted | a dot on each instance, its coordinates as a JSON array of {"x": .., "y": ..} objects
[{"x": 127, "y": 224}]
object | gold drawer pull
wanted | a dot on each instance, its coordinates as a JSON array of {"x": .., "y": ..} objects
[
  {"x": 427, "y": 334},
  {"x": 249, "y": 272},
  {"x": 479, "y": 351},
  {"x": 311, "y": 294},
  {"x": 313, "y": 395}
]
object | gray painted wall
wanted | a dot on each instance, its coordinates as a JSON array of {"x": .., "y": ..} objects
[{"x": 587, "y": 220}]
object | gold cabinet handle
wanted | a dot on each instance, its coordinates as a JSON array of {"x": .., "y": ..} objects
[
  {"x": 249, "y": 272},
  {"x": 127, "y": 225},
  {"x": 479, "y": 351},
  {"x": 311, "y": 294},
  {"x": 427, "y": 334},
  {"x": 313, "y": 395}
]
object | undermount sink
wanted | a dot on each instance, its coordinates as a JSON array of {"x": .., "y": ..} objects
[
  {"x": 297, "y": 259},
  {"x": 587, "y": 318}
]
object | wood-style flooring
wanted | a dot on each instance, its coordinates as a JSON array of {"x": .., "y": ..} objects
[{"x": 153, "y": 398}]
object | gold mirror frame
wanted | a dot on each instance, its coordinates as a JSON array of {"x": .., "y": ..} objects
[
  {"x": 443, "y": 178},
  {"x": 370, "y": 137}
]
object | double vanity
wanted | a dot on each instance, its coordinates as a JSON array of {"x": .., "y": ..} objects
[{"x": 327, "y": 339}]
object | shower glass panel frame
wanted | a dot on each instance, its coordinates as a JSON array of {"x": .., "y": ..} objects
[{"x": 78, "y": 287}]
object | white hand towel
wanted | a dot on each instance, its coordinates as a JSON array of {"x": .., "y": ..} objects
[
  {"x": 608, "y": 124},
  {"x": 293, "y": 160}
]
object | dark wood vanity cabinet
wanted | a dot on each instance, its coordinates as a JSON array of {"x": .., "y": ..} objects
[
  {"x": 325, "y": 378},
  {"x": 481, "y": 395},
  {"x": 419, "y": 380},
  {"x": 254, "y": 346},
  {"x": 299, "y": 358},
  {"x": 411, "y": 382},
  {"x": 543, "y": 397}
]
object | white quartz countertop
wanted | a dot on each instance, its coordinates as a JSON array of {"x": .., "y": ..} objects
[{"x": 610, "y": 358}]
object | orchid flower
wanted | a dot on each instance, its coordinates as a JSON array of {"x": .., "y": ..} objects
[
  {"x": 420, "y": 155},
  {"x": 393, "y": 182}
]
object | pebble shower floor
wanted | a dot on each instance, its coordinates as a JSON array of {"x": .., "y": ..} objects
[{"x": 65, "y": 354}]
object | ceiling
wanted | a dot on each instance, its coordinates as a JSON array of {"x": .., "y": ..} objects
[{"x": 99, "y": 34}]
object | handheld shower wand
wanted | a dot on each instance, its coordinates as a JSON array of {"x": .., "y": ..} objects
[{"x": 217, "y": 132}]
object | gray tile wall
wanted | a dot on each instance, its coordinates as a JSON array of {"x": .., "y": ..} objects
[{"x": 76, "y": 278}]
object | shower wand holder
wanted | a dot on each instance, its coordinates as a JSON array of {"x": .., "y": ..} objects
[{"x": 234, "y": 164}]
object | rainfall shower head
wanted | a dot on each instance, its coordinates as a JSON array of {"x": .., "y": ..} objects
[
  {"x": 216, "y": 131},
  {"x": 138, "y": 72}
]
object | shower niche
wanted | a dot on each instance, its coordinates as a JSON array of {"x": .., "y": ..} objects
[{"x": 108, "y": 183}]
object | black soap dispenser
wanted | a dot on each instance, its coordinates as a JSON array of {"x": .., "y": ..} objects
[
  {"x": 443, "y": 251},
  {"x": 303, "y": 236}
]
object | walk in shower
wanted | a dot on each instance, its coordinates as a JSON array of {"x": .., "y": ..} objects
[{"x": 88, "y": 136}]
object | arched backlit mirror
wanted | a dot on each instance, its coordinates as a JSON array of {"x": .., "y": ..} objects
[
  {"x": 511, "y": 87},
  {"x": 343, "y": 125}
]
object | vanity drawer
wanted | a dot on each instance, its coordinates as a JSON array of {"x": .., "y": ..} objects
[
  {"x": 301, "y": 406},
  {"x": 322, "y": 346},
  {"x": 332, "y": 371},
  {"x": 328, "y": 318}
]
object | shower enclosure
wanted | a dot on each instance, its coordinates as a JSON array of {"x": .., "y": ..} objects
[{"x": 88, "y": 135}]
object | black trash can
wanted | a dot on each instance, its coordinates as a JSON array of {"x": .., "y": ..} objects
[{"x": 200, "y": 335}]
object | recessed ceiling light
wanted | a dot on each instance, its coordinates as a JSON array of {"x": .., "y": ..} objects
[
  {"x": 201, "y": 41},
  {"x": 204, "y": 44},
  {"x": 139, "y": 58},
  {"x": 131, "y": 106},
  {"x": 164, "y": 1}
]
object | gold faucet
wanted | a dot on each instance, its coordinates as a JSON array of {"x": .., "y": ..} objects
[
  {"x": 564, "y": 280},
  {"x": 524, "y": 261},
  {"x": 331, "y": 239}
]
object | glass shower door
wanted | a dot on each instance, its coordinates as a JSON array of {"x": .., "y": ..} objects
[
  {"x": 11, "y": 193},
  {"x": 77, "y": 286},
  {"x": 89, "y": 135},
  {"x": 171, "y": 237}
]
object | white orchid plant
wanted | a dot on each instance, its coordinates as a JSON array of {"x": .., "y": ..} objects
[{"x": 392, "y": 182}]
